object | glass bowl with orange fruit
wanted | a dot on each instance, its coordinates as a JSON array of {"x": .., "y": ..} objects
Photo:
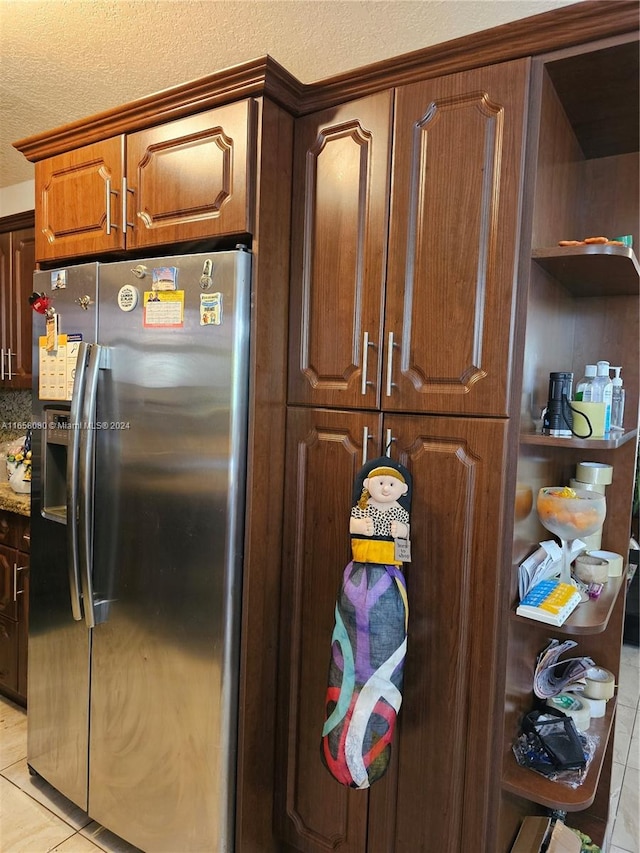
[{"x": 570, "y": 514}]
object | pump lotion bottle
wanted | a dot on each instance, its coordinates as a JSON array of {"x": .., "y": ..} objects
[{"x": 617, "y": 401}]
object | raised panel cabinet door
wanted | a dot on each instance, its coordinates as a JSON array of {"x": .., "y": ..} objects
[
  {"x": 192, "y": 178},
  {"x": 8, "y": 566},
  {"x": 453, "y": 246},
  {"x": 8, "y": 654},
  {"x": 5, "y": 302},
  {"x": 446, "y": 779},
  {"x": 338, "y": 253},
  {"x": 22, "y": 594},
  {"x": 23, "y": 254},
  {"x": 313, "y": 812},
  {"x": 79, "y": 201}
]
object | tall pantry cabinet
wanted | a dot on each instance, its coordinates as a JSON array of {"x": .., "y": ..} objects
[
  {"x": 400, "y": 337},
  {"x": 429, "y": 302}
]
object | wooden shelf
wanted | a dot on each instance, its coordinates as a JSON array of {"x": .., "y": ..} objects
[
  {"x": 531, "y": 785},
  {"x": 590, "y": 617},
  {"x": 611, "y": 443},
  {"x": 592, "y": 270}
]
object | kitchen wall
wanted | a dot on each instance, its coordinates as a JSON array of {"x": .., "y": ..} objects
[{"x": 17, "y": 198}]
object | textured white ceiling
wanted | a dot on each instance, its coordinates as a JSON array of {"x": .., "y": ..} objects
[{"x": 62, "y": 60}]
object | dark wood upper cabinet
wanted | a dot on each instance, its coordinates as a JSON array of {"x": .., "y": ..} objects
[
  {"x": 340, "y": 213},
  {"x": 184, "y": 180},
  {"x": 191, "y": 178},
  {"x": 17, "y": 264},
  {"x": 457, "y": 163},
  {"x": 77, "y": 210},
  {"x": 441, "y": 275}
]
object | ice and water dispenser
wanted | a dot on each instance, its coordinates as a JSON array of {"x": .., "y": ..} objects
[{"x": 54, "y": 468}]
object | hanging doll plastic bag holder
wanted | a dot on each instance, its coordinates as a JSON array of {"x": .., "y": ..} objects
[{"x": 369, "y": 639}]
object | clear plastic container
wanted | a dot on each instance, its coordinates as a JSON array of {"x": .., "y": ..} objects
[
  {"x": 617, "y": 401},
  {"x": 584, "y": 385},
  {"x": 602, "y": 390}
]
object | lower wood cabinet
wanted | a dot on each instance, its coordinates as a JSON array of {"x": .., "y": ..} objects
[
  {"x": 441, "y": 788},
  {"x": 14, "y": 605}
]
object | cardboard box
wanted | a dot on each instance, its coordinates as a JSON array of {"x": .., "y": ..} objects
[{"x": 536, "y": 831}]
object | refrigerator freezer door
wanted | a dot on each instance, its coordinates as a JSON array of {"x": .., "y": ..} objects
[
  {"x": 169, "y": 501},
  {"x": 59, "y": 646}
]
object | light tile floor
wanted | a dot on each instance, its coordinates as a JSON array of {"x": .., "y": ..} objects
[{"x": 34, "y": 818}]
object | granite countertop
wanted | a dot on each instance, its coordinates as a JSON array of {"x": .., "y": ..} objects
[{"x": 13, "y": 502}]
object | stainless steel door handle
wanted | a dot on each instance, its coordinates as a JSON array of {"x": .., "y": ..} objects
[
  {"x": 16, "y": 569},
  {"x": 390, "y": 347},
  {"x": 125, "y": 221},
  {"x": 109, "y": 192},
  {"x": 73, "y": 449},
  {"x": 366, "y": 343},
  {"x": 366, "y": 436},
  {"x": 388, "y": 442},
  {"x": 86, "y": 483}
]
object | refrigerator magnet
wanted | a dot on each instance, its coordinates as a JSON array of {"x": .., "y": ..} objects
[
  {"x": 127, "y": 297},
  {"x": 164, "y": 309},
  {"x": 58, "y": 279},
  {"x": 164, "y": 278},
  {"x": 210, "y": 309},
  {"x": 53, "y": 328}
]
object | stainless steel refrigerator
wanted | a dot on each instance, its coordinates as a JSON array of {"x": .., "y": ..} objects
[{"x": 140, "y": 408}]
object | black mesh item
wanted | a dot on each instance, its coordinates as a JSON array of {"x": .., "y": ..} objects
[{"x": 557, "y": 736}]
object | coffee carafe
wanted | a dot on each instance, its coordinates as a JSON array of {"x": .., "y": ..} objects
[{"x": 557, "y": 418}]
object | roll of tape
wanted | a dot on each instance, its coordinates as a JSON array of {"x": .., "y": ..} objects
[
  {"x": 597, "y": 707},
  {"x": 616, "y": 561},
  {"x": 588, "y": 487},
  {"x": 594, "y": 472},
  {"x": 573, "y": 707},
  {"x": 591, "y": 569},
  {"x": 600, "y": 683},
  {"x": 593, "y": 542}
]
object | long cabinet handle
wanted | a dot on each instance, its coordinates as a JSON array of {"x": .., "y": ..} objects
[
  {"x": 366, "y": 343},
  {"x": 109, "y": 191},
  {"x": 125, "y": 221},
  {"x": 73, "y": 450},
  {"x": 2, "y": 363},
  {"x": 16, "y": 569},
  {"x": 366, "y": 437},
  {"x": 10, "y": 355},
  {"x": 389, "y": 439},
  {"x": 390, "y": 347},
  {"x": 86, "y": 483}
]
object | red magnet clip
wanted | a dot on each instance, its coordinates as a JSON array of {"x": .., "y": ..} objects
[{"x": 39, "y": 302}]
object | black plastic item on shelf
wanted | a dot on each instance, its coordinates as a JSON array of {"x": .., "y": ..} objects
[{"x": 556, "y": 734}]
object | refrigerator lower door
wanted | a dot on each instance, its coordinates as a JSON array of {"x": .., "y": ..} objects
[
  {"x": 58, "y": 675},
  {"x": 170, "y": 461}
]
